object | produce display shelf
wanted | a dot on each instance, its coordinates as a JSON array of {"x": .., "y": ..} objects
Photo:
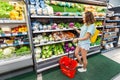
[
  {"x": 13, "y": 34},
  {"x": 111, "y": 37},
  {"x": 14, "y": 59},
  {"x": 12, "y": 21},
  {"x": 37, "y": 16},
  {"x": 8, "y": 45},
  {"x": 110, "y": 42},
  {"x": 117, "y": 14},
  {"x": 15, "y": 63},
  {"x": 112, "y": 21},
  {"x": 90, "y": 2},
  {"x": 48, "y": 67},
  {"x": 54, "y": 56},
  {"x": 52, "y": 42},
  {"x": 114, "y": 15},
  {"x": 41, "y": 31},
  {"x": 113, "y": 26}
]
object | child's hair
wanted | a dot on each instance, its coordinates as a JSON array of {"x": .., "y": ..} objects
[{"x": 89, "y": 18}]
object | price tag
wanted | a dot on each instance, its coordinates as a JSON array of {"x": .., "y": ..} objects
[
  {"x": 1, "y": 21},
  {"x": 24, "y": 33},
  {"x": 21, "y": 42},
  {"x": 14, "y": 34},
  {"x": 7, "y": 34},
  {"x": 10, "y": 44},
  {"x": 7, "y": 21},
  {"x": 3, "y": 45}
]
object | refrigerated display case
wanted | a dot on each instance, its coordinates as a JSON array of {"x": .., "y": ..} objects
[{"x": 15, "y": 52}]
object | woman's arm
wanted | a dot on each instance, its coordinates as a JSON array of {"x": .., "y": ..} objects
[
  {"x": 87, "y": 36},
  {"x": 78, "y": 31}
]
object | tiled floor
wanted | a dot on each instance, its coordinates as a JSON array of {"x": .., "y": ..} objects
[{"x": 115, "y": 56}]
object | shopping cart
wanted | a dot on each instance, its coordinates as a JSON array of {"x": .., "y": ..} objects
[{"x": 68, "y": 66}]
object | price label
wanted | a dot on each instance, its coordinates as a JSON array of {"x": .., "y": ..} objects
[
  {"x": 7, "y": 21},
  {"x": 1, "y": 21},
  {"x": 7, "y": 34},
  {"x": 21, "y": 42},
  {"x": 15, "y": 34},
  {"x": 3, "y": 45},
  {"x": 10, "y": 44},
  {"x": 24, "y": 33}
]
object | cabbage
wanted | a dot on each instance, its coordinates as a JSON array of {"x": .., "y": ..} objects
[{"x": 7, "y": 52}]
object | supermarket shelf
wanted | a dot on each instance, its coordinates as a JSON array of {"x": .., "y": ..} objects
[
  {"x": 114, "y": 15},
  {"x": 112, "y": 21},
  {"x": 13, "y": 34},
  {"x": 54, "y": 56},
  {"x": 111, "y": 37},
  {"x": 37, "y": 16},
  {"x": 40, "y": 60},
  {"x": 109, "y": 43},
  {"x": 43, "y": 69},
  {"x": 52, "y": 42},
  {"x": 113, "y": 26},
  {"x": 110, "y": 32},
  {"x": 41, "y": 31},
  {"x": 8, "y": 45},
  {"x": 90, "y": 2},
  {"x": 15, "y": 63},
  {"x": 12, "y": 21}
]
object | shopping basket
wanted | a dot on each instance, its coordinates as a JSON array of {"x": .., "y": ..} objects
[{"x": 68, "y": 66}]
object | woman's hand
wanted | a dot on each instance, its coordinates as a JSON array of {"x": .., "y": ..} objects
[
  {"x": 78, "y": 31},
  {"x": 74, "y": 28},
  {"x": 75, "y": 40}
]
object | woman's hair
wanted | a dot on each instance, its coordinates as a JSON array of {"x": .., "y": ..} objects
[{"x": 89, "y": 18}]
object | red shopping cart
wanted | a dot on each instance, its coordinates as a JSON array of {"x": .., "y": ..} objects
[{"x": 68, "y": 66}]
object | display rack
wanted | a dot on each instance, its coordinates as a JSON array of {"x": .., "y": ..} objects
[
  {"x": 14, "y": 36},
  {"x": 111, "y": 30},
  {"x": 40, "y": 63}
]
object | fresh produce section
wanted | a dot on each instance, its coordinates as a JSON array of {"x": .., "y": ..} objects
[
  {"x": 15, "y": 52},
  {"x": 52, "y": 26},
  {"x": 11, "y": 10}
]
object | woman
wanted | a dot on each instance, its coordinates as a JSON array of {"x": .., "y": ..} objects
[{"x": 83, "y": 46}]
